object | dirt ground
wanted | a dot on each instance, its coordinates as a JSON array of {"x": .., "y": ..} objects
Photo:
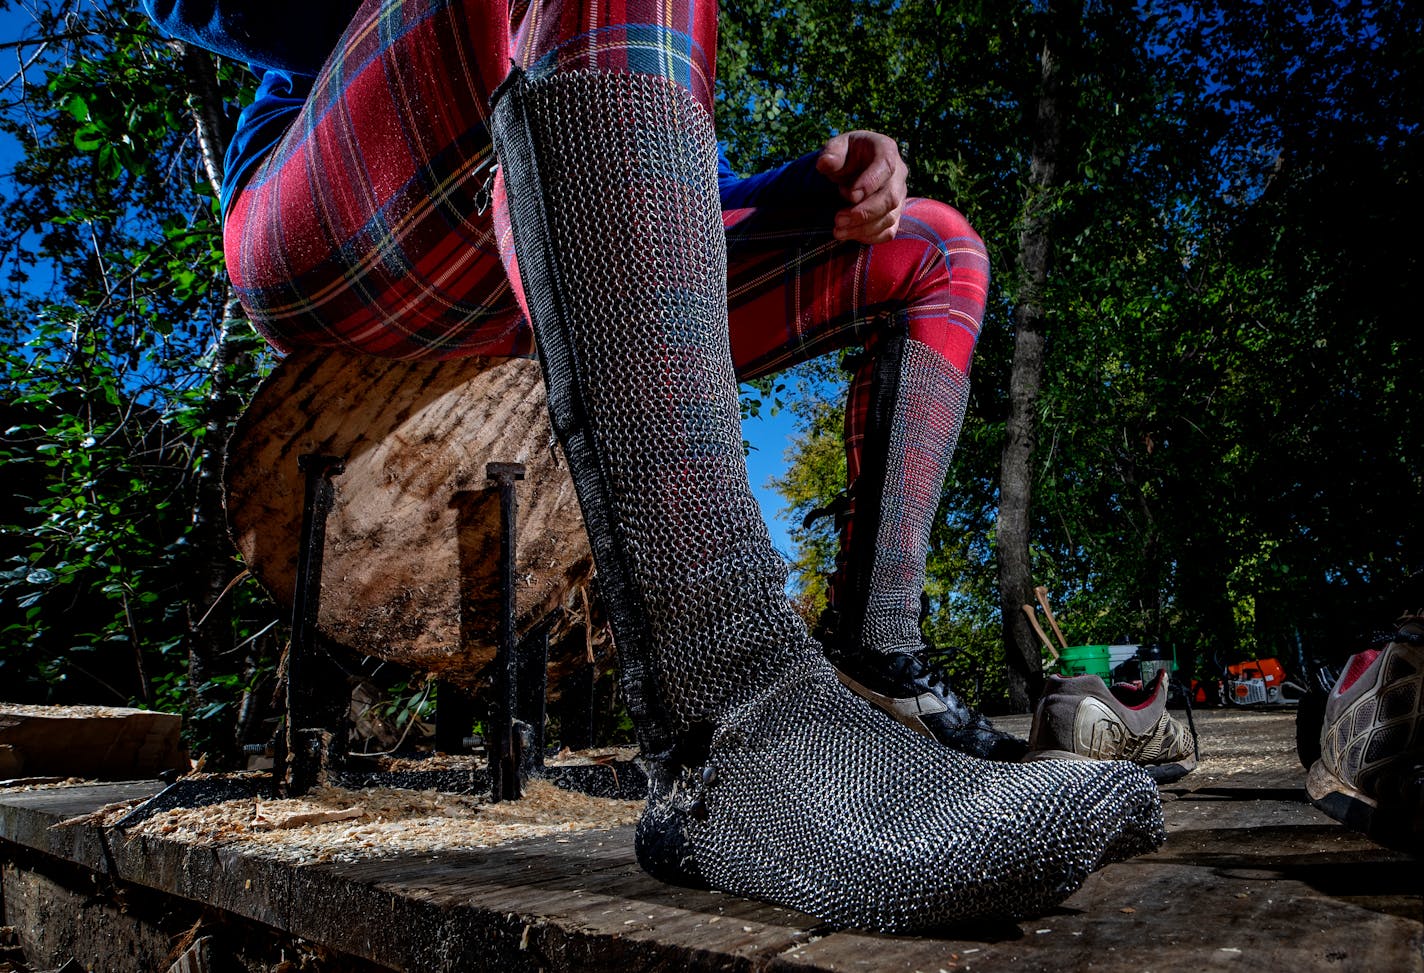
[{"x": 1232, "y": 742}]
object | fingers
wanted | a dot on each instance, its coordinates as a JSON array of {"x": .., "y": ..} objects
[
  {"x": 871, "y": 175},
  {"x": 832, "y": 161},
  {"x": 880, "y": 230},
  {"x": 884, "y": 204},
  {"x": 859, "y": 162},
  {"x": 878, "y": 172}
]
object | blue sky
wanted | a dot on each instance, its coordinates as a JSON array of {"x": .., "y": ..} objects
[{"x": 770, "y": 435}]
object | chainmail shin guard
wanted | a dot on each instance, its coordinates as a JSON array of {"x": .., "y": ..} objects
[
  {"x": 917, "y": 410},
  {"x": 629, "y": 307},
  {"x": 911, "y": 425},
  {"x": 770, "y": 779}
]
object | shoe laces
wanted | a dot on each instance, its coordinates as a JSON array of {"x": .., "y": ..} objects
[
  {"x": 935, "y": 674},
  {"x": 1379, "y": 638}
]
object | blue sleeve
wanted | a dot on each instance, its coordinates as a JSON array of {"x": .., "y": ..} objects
[
  {"x": 289, "y": 36},
  {"x": 279, "y": 98},
  {"x": 794, "y": 184}
]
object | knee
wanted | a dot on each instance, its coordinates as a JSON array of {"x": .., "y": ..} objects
[
  {"x": 942, "y": 228},
  {"x": 937, "y": 270},
  {"x": 934, "y": 248}
]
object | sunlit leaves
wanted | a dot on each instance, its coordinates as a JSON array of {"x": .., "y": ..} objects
[
  {"x": 1225, "y": 434},
  {"x": 109, "y": 371}
]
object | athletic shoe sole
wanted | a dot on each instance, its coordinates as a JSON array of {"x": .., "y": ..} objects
[{"x": 1397, "y": 826}]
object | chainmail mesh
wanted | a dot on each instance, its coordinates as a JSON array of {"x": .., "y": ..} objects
[
  {"x": 628, "y": 168},
  {"x": 800, "y": 793},
  {"x": 821, "y": 802},
  {"x": 928, "y": 412}
]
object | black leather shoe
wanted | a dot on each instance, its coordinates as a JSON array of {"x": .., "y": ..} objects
[{"x": 918, "y": 694}]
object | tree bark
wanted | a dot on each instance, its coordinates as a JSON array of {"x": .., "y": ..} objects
[
  {"x": 1025, "y": 380},
  {"x": 205, "y": 104},
  {"x": 210, "y": 606}
]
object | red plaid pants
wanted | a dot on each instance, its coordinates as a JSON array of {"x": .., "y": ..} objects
[{"x": 370, "y": 227}]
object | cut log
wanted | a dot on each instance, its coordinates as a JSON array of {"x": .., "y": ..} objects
[
  {"x": 410, "y": 551},
  {"x": 99, "y": 742}
]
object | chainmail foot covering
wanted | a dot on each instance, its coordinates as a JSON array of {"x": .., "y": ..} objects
[
  {"x": 769, "y": 778},
  {"x": 813, "y": 799}
]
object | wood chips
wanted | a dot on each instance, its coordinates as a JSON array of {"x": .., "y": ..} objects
[{"x": 336, "y": 824}]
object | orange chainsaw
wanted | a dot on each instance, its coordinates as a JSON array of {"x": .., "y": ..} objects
[{"x": 1259, "y": 682}]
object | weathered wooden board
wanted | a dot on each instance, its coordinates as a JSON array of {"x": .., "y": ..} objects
[
  {"x": 104, "y": 742},
  {"x": 410, "y": 547},
  {"x": 1250, "y": 877}
]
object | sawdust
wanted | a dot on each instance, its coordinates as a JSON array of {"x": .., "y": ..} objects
[
  {"x": 341, "y": 825},
  {"x": 71, "y": 712},
  {"x": 447, "y": 761},
  {"x": 17, "y": 784}
]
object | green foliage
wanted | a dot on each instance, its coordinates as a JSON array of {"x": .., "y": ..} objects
[
  {"x": 1224, "y": 467},
  {"x": 1226, "y": 450},
  {"x": 815, "y": 473},
  {"x": 1225, "y": 438},
  {"x": 119, "y": 358}
]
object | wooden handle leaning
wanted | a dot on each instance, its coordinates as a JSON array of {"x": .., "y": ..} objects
[
  {"x": 1042, "y": 594},
  {"x": 1033, "y": 620}
]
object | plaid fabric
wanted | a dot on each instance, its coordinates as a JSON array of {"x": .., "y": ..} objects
[
  {"x": 796, "y": 293},
  {"x": 937, "y": 271},
  {"x": 795, "y": 296},
  {"x": 370, "y": 226},
  {"x": 673, "y": 39},
  {"x": 376, "y": 225}
]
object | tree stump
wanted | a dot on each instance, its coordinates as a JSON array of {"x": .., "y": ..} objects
[{"x": 411, "y": 549}]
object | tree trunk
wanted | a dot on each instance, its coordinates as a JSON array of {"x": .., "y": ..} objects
[
  {"x": 205, "y": 103},
  {"x": 412, "y": 550},
  {"x": 1016, "y": 471},
  {"x": 210, "y": 605},
  {"x": 210, "y": 614}
]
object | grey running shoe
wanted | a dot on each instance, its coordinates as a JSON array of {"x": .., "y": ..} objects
[
  {"x": 1080, "y": 718},
  {"x": 1370, "y": 775}
]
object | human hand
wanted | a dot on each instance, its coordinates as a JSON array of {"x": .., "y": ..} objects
[{"x": 867, "y": 168}]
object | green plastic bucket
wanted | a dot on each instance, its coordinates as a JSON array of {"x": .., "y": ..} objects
[{"x": 1078, "y": 660}]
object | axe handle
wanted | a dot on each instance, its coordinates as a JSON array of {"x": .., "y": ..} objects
[
  {"x": 1033, "y": 620},
  {"x": 1042, "y": 594}
]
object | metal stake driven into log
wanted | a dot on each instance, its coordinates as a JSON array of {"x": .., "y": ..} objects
[
  {"x": 307, "y": 707},
  {"x": 432, "y": 597},
  {"x": 510, "y": 738}
]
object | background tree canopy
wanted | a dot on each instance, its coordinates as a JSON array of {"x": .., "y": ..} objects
[
  {"x": 1222, "y": 453},
  {"x": 1224, "y": 458}
]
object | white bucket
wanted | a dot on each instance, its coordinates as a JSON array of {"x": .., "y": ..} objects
[{"x": 1118, "y": 654}]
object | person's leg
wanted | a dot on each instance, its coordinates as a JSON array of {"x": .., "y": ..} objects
[
  {"x": 915, "y": 304},
  {"x": 369, "y": 227},
  {"x": 770, "y": 779}
]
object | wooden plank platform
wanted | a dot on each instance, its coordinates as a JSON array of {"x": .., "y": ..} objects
[{"x": 1251, "y": 876}]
